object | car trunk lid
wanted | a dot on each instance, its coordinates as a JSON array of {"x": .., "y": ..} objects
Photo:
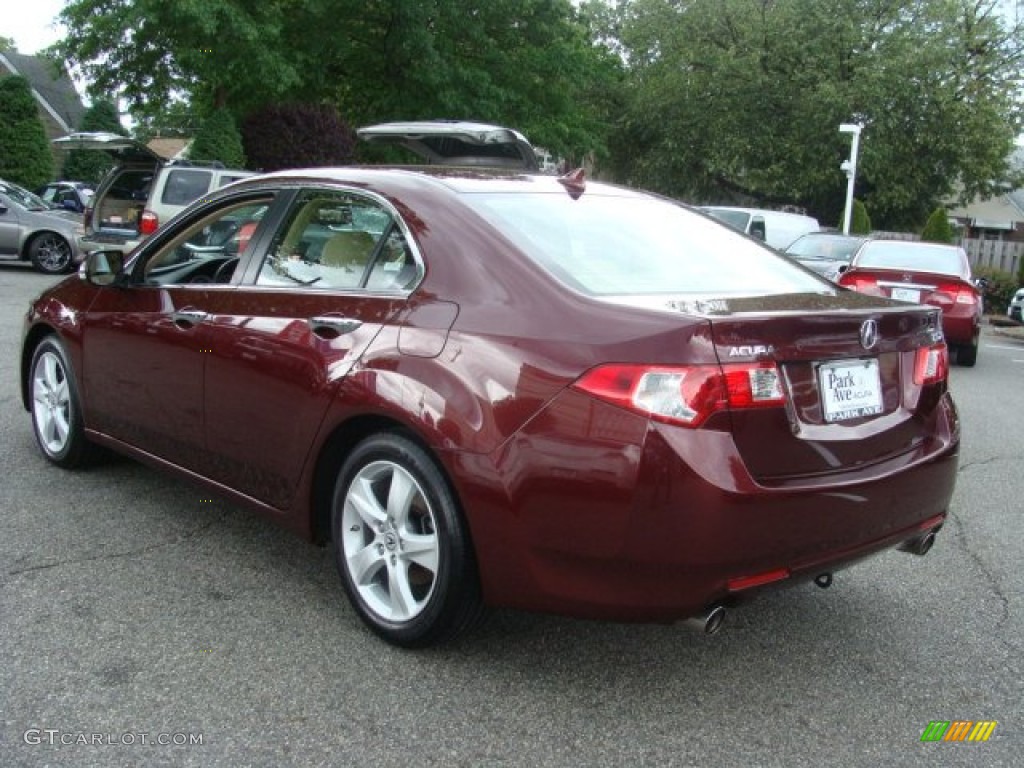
[{"x": 442, "y": 142}]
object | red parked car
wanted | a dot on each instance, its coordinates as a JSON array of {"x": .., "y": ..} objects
[
  {"x": 928, "y": 273},
  {"x": 507, "y": 389}
]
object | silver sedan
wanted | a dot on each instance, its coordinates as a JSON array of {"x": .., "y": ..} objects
[{"x": 32, "y": 230}]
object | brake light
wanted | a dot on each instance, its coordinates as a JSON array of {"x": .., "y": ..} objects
[
  {"x": 957, "y": 293},
  {"x": 87, "y": 217},
  {"x": 685, "y": 395},
  {"x": 148, "y": 223},
  {"x": 931, "y": 364},
  {"x": 861, "y": 284}
]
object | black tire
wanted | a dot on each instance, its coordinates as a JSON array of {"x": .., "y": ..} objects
[
  {"x": 401, "y": 545},
  {"x": 56, "y": 408},
  {"x": 50, "y": 253},
  {"x": 967, "y": 355}
]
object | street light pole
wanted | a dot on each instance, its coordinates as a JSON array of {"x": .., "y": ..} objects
[{"x": 850, "y": 167}]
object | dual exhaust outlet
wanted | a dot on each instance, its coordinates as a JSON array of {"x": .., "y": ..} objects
[{"x": 711, "y": 621}]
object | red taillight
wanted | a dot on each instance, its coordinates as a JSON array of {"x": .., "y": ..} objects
[
  {"x": 931, "y": 364},
  {"x": 957, "y": 293},
  {"x": 861, "y": 284},
  {"x": 86, "y": 218},
  {"x": 148, "y": 223},
  {"x": 685, "y": 395}
]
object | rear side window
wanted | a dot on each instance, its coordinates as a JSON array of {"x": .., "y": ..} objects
[
  {"x": 610, "y": 245},
  {"x": 184, "y": 186},
  {"x": 341, "y": 241}
]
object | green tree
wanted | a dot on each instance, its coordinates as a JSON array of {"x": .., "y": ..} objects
[
  {"x": 530, "y": 64},
  {"x": 748, "y": 96},
  {"x": 218, "y": 140},
  {"x": 860, "y": 222},
  {"x": 25, "y": 158},
  {"x": 937, "y": 229},
  {"x": 89, "y": 165}
]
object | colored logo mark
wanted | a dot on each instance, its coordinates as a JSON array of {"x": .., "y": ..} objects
[{"x": 959, "y": 730}]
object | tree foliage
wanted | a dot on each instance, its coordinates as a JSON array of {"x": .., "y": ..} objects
[
  {"x": 218, "y": 140},
  {"x": 297, "y": 136},
  {"x": 937, "y": 229},
  {"x": 25, "y": 156},
  {"x": 89, "y": 165},
  {"x": 525, "y": 63},
  {"x": 743, "y": 99}
]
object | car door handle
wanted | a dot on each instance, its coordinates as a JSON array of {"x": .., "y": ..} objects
[
  {"x": 332, "y": 327},
  {"x": 188, "y": 318}
]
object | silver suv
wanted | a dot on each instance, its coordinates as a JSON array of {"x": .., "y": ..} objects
[{"x": 142, "y": 191}]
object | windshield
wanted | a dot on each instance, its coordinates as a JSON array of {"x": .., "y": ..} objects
[
  {"x": 836, "y": 248},
  {"x": 24, "y": 198},
  {"x": 607, "y": 245},
  {"x": 735, "y": 219},
  {"x": 915, "y": 256}
]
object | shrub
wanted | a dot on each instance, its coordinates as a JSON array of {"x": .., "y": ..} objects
[
  {"x": 937, "y": 229},
  {"x": 218, "y": 140},
  {"x": 1001, "y": 286},
  {"x": 25, "y": 156},
  {"x": 860, "y": 222},
  {"x": 297, "y": 136}
]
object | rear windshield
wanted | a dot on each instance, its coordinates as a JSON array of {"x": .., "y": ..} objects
[
  {"x": 912, "y": 256},
  {"x": 607, "y": 245},
  {"x": 839, "y": 248}
]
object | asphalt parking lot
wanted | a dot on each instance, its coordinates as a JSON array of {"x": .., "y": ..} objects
[{"x": 145, "y": 623}]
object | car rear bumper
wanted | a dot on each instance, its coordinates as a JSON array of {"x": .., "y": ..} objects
[
  {"x": 598, "y": 523},
  {"x": 961, "y": 324}
]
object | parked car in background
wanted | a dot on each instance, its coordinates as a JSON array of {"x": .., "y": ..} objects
[
  {"x": 827, "y": 253},
  {"x": 1013, "y": 311},
  {"x": 69, "y": 195},
  {"x": 142, "y": 191},
  {"x": 923, "y": 273},
  {"x": 777, "y": 228},
  {"x": 32, "y": 230},
  {"x": 503, "y": 388}
]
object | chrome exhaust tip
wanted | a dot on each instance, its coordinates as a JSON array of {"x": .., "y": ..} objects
[
  {"x": 919, "y": 545},
  {"x": 710, "y": 622}
]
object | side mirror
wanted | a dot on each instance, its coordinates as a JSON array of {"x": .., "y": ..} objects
[
  {"x": 758, "y": 229},
  {"x": 102, "y": 267}
]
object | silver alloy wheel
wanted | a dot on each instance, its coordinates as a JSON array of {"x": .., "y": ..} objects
[
  {"x": 51, "y": 403},
  {"x": 389, "y": 540},
  {"x": 52, "y": 253}
]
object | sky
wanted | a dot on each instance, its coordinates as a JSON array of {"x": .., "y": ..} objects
[{"x": 30, "y": 23}]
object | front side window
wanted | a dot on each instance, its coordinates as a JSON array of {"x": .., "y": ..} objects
[
  {"x": 208, "y": 250},
  {"x": 341, "y": 241}
]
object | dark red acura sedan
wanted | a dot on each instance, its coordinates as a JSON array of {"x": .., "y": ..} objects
[{"x": 498, "y": 388}]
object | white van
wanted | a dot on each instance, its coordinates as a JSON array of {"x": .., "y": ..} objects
[{"x": 776, "y": 228}]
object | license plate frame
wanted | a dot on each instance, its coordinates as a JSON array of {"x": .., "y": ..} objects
[
  {"x": 849, "y": 389},
  {"x": 912, "y": 295}
]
